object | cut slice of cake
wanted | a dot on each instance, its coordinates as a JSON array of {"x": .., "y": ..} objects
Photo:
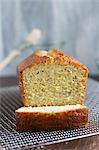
[
  {"x": 52, "y": 78},
  {"x": 51, "y": 117}
]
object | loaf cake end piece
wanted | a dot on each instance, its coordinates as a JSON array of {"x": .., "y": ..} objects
[{"x": 51, "y": 118}]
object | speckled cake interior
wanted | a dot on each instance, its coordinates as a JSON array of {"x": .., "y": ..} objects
[{"x": 55, "y": 83}]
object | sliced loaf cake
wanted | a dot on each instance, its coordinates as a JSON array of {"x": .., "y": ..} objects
[
  {"x": 48, "y": 78},
  {"x": 51, "y": 117}
]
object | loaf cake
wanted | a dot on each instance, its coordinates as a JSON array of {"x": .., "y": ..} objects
[
  {"x": 50, "y": 78},
  {"x": 51, "y": 117}
]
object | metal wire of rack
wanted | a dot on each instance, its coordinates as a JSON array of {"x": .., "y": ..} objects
[{"x": 11, "y": 139}]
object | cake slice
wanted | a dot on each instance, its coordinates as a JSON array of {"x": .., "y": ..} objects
[
  {"x": 48, "y": 78},
  {"x": 51, "y": 117}
]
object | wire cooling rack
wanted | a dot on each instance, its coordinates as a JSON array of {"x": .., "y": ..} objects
[{"x": 11, "y": 139}]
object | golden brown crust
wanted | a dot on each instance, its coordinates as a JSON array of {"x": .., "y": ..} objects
[
  {"x": 41, "y": 57},
  {"x": 38, "y": 57},
  {"x": 37, "y": 121},
  {"x": 59, "y": 55}
]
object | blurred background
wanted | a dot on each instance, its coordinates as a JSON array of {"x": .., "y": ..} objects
[{"x": 71, "y": 25}]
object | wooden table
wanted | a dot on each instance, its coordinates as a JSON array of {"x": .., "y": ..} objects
[{"x": 89, "y": 143}]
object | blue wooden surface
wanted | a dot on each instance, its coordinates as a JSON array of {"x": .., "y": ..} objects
[{"x": 74, "y": 21}]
